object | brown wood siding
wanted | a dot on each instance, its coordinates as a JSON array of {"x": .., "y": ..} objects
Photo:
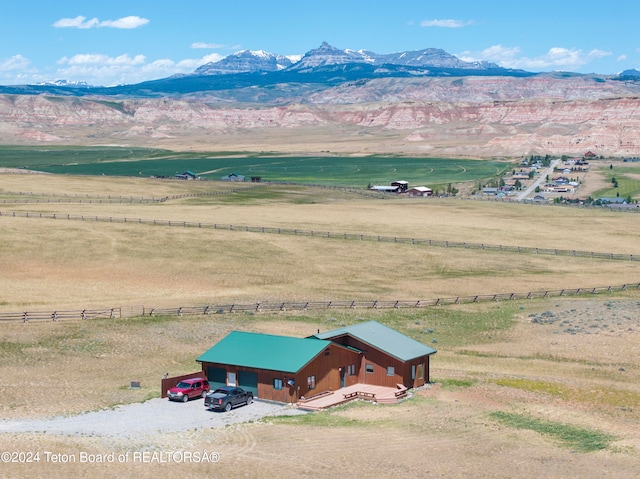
[
  {"x": 417, "y": 381},
  {"x": 382, "y": 360},
  {"x": 324, "y": 367},
  {"x": 265, "y": 381}
]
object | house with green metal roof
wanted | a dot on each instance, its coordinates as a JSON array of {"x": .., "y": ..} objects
[
  {"x": 285, "y": 369},
  {"x": 278, "y": 368},
  {"x": 388, "y": 358},
  {"x": 264, "y": 351}
]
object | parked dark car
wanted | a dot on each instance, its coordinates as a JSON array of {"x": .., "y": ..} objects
[
  {"x": 188, "y": 388},
  {"x": 226, "y": 397}
]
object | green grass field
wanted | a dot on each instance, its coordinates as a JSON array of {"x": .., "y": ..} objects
[
  {"x": 627, "y": 179},
  {"x": 357, "y": 172}
]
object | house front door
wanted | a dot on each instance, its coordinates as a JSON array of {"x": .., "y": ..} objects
[{"x": 343, "y": 377}]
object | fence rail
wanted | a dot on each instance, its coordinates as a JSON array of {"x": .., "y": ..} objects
[
  {"x": 334, "y": 235},
  {"x": 120, "y": 312},
  {"x": 83, "y": 314}
]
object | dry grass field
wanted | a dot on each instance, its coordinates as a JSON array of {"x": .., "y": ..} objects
[{"x": 568, "y": 368}]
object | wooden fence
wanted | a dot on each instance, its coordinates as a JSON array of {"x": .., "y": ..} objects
[
  {"x": 334, "y": 235},
  {"x": 121, "y": 312},
  {"x": 62, "y": 315}
]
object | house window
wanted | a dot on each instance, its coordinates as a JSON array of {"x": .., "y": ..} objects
[
  {"x": 277, "y": 383},
  {"x": 413, "y": 371},
  {"x": 311, "y": 382},
  {"x": 369, "y": 368},
  {"x": 391, "y": 371},
  {"x": 231, "y": 379},
  {"x": 351, "y": 369},
  {"x": 420, "y": 371}
]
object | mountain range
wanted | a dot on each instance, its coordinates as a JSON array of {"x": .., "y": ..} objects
[
  {"x": 325, "y": 65},
  {"x": 339, "y": 101},
  {"x": 284, "y": 79},
  {"x": 247, "y": 61}
]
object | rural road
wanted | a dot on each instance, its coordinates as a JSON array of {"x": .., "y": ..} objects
[{"x": 543, "y": 176}]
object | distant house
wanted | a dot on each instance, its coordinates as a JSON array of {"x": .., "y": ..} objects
[
  {"x": 615, "y": 200},
  {"x": 419, "y": 191},
  {"x": 489, "y": 191},
  {"x": 233, "y": 177},
  {"x": 187, "y": 175},
  {"x": 285, "y": 369},
  {"x": 385, "y": 189},
  {"x": 590, "y": 154},
  {"x": 402, "y": 185}
]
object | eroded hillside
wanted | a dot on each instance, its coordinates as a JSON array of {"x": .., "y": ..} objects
[{"x": 472, "y": 116}]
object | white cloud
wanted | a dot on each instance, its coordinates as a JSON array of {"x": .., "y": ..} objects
[
  {"x": 599, "y": 53},
  {"x": 97, "y": 59},
  {"x": 18, "y": 70},
  {"x": 82, "y": 22},
  {"x": 206, "y": 45},
  {"x": 16, "y": 62},
  {"x": 191, "y": 64},
  {"x": 77, "y": 22},
  {"x": 125, "y": 22},
  {"x": 99, "y": 69},
  {"x": 445, "y": 23},
  {"x": 556, "y": 58},
  {"x": 621, "y": 58}
]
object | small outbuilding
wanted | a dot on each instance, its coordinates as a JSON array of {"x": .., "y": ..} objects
[
  {"x": 233, "y": 177},
  {"x": 187, "y": 175},
  {"x": 419, "y": 191},
  {"x": 401, "y": 184}
]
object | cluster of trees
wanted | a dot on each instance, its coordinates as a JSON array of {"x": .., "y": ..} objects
[{"x": 544, "y": 160}]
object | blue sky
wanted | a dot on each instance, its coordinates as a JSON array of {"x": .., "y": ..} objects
[{"x": 115, "y": 41}]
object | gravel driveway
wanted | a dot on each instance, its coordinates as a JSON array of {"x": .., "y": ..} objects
[{"x": 140, "y": 419}]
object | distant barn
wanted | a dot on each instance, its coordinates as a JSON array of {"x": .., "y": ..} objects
[
  {"x": 187, "y": 175},
  {"x": 419, "y": 191},
  {"x": 402, "y": 185},
  {"x": 233, "y": 177}
]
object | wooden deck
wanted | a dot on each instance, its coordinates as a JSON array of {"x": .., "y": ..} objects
[{"x": 368, "y": 392}]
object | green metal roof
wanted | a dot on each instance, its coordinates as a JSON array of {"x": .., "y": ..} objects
[
  {"x": 264, "y": 351},
  {"x": 383, "y": 338}
]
